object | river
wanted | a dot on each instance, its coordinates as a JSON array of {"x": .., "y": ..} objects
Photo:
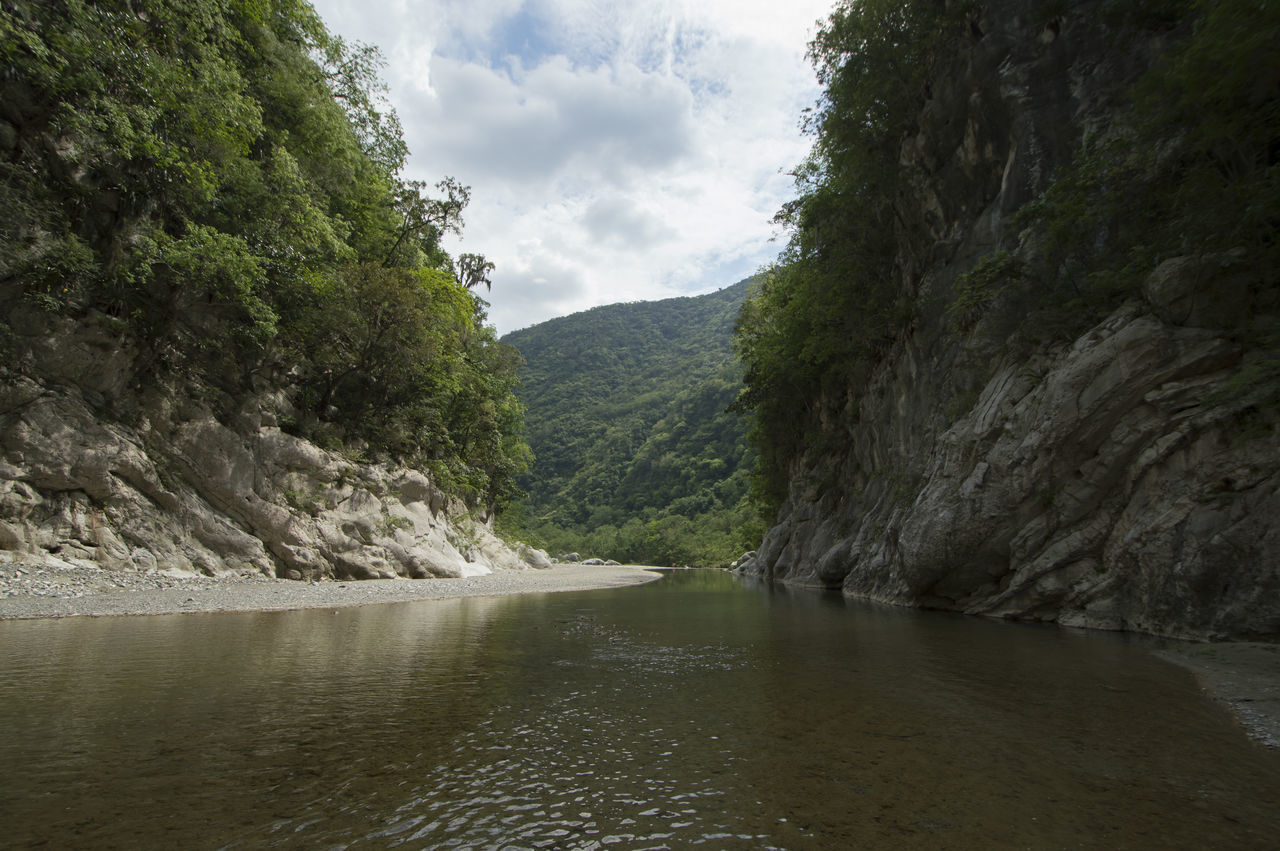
[{"x": 693, "y": 711}]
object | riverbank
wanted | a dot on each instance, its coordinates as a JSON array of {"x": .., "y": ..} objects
[
  {"x": 1243, "y": 676},
  {"x": 55, "y": 591}
]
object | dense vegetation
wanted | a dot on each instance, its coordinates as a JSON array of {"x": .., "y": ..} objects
[
  {"x": 637, "y": 458},
  {"x": 1194, "y": 172},
  {"x": 220, "y": 182},
  {"x": 827, "y": 306}
]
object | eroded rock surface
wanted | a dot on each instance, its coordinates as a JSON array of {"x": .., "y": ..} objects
[
  {"x": 174, "y": 488},
  {"x": 1109, "y": 483}
]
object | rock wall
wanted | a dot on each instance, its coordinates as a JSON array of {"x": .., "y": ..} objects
[
  {"x": 167, "y": 485},
  {"x": 1107, "y": 483}
]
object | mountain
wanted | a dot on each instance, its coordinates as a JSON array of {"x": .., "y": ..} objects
[
  {"x": 1021, "y": 357},
  {"x": 636, "y": 457}
]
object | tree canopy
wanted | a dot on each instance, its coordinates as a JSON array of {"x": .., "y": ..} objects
[
  {"x": 224, "y": 177},
  {"x": 824, "y": 310},
  {"x": 637, "y": 457}
]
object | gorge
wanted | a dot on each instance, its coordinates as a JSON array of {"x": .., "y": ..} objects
[
  {"x": 1018, "y": 359},
  {"x": 1107, "y": 457}
]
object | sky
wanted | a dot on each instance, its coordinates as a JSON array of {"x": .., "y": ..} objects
[{"x": 617, "y": 150}]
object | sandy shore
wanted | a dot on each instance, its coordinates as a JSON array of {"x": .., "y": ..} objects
[{"x": 30, "y": 591}]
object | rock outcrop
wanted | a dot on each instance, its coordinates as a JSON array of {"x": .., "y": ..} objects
[
  {"x": 167, "y": 485},
  {"x": 1109, "y": 483}
]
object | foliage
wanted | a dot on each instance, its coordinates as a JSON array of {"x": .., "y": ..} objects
[
  {"x": 224, "y": 177},
  {"x": 637, "y": 458},
  {"x": 975, "y": 290},
  {"x": 825, "y": 310}
]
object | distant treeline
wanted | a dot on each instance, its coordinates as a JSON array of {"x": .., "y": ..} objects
[{"x": 637, "y": 458}]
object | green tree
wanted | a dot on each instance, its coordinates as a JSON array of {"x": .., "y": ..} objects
[
  {"x": 824, "y": 311},
  {"x": 223, "y": 178}
]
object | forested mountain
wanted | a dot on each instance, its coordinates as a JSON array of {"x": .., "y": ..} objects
[
  {"x": 636, "y": 457},
  {"x": 1020, "y": 356},
  {"x": 206, "y": 228}
]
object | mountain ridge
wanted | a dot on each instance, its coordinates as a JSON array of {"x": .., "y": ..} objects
[{"x": 626, "y": 417}]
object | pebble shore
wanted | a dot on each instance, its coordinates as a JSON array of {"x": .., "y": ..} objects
[
  {"x": 69, "y": 590},
  {"x": 1243, "y": 676}
]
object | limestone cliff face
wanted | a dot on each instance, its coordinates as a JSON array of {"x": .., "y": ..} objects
[
  {"x": 1106, "y": 483},
  {"x": 164, "y": 484}
]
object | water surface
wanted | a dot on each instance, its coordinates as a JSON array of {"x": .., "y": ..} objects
[{"x": 689, "y": 712}]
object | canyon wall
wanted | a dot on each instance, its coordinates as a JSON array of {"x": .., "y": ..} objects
[{"x": 1109, "y": 482}]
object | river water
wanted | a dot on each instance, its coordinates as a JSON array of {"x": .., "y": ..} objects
[{"x": 694, "y": 711}]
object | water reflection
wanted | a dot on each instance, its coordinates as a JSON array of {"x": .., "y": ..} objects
[{"x": 687, "y": 712}]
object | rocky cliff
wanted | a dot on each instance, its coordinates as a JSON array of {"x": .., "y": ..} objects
[
  {"x": 96, "y": 468},
  {"x": 1109, "y": 482}
]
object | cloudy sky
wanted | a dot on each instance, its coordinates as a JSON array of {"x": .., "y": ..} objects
[{"x": 617, "y": 150}]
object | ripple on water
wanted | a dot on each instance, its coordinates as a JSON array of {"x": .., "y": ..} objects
[
  {"x": 652, "y": 720},
  {"x": 593, "y": 762}
]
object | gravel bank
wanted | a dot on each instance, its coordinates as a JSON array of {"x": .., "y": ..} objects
[
  {"x": 56, "y": 591},
  {"x": 1242, "y": 675}
]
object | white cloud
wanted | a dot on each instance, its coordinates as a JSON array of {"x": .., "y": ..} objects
[
  {"x": 616, "y": 151},
  {"x": 623, "y": 223},
  {"x": 532, "y": 127}
]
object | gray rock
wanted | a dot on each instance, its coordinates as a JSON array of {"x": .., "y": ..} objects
[
  {"x": 535, "y": 558},
  {"x": 180, "y": 490},
  {"x": 1107, "y": 483}
]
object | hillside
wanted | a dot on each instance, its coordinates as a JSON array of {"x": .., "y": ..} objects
[
  {"x": 1020, "y": 356},
  {"x": 230, "y": 338},
  {"x": 636, "y": 458}
]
